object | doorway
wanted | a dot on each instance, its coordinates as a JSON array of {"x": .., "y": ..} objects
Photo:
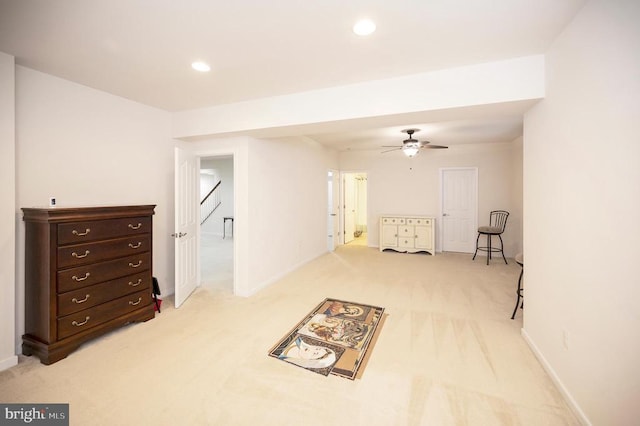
[
  {"x": 354, "y": 212},
  {"x": 216, "y": 227}
]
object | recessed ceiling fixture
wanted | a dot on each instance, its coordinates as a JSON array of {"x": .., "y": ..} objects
[
  {"x": 200, "y": 66},
  {"x": 364, "y": 27}
]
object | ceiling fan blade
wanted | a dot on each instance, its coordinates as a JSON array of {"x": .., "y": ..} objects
[
  {"x": 389, "y": 150},
  {"x": 390, "y": 146},
  {"x": 434, "y": 147}
]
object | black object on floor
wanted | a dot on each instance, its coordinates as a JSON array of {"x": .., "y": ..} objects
[{"x": 156, "y": 292}]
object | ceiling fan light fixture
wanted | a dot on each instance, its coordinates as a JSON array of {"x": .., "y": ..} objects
[{"x": 410, "y": 151}]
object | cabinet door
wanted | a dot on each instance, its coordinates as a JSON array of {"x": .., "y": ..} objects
[
  {"x": 389, "y": 236},
  {"x": 424, "y": 237}
]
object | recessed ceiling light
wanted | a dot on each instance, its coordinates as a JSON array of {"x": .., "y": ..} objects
[
  {"x": 200, "y": 66},
  {"x": 364, "y": 27}
]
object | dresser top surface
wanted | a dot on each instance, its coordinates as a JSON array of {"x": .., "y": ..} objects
[
  {"x": 409, "y": 216},
  {"x": 65, "y": 214}
]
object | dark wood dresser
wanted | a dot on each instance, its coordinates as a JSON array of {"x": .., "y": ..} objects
[{"x": 87, "y": 271}]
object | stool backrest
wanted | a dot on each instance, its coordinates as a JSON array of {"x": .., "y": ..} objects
[{"x": 498, "y": 218}]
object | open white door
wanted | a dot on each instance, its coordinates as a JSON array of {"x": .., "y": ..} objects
[
  {"x": 349, "y": 207},
  {"x": 186, "y": 224},
  {"x": 333, "y": 221}
]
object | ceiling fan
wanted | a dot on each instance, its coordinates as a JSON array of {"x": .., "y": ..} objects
[{"x": 410, "y": 147}]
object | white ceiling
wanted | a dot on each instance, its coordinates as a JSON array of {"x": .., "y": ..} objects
[{"x": 142, "y": 50}]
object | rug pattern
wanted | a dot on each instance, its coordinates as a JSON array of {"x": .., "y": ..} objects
[{"x": 334, "y": 338}]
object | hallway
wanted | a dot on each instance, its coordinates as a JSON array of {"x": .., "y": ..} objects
[{"x": 216, "y": 256}]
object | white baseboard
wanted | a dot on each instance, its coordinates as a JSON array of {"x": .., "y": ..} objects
[
  {"x": 8, "y": 362},
  {"x": 582, "y": 417}
]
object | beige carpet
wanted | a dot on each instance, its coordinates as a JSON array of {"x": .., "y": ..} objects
[{"x": 448, "y": 355}]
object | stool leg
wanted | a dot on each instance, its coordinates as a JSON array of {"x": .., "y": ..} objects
[
  {"x": 519, "y": 293},
  {"x": 474, "y": 254},
  {"x": 489, "y": 248},
  {"x": 502, "y": 249}
]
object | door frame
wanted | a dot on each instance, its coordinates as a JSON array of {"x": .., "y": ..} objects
[
  {"x": 441, "y": 172},
  {"x": 237, "y": 227}
]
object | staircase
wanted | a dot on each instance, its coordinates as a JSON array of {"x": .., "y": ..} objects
[{"x": 210, "y": 203}]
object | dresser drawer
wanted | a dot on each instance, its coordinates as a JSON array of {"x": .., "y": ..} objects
[
  {"x": 420, "y": 222},
  {"x": 89, "y": 318},
  {"x": 406, "y": 231},
  {"x": 393, "y": 220},
  {"x": 83, "y": 276},
  {"x": 81, "y": 254},
  {"x": 87, "y": 297},
  {"x": 79, "y": 232},
  {"x": 406, "y": 242}
]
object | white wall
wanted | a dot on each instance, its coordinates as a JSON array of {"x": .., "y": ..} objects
[
  {"x": 581, "y": 204},
  {"x": 280, "y": 205},
  {"x": 7, "y": 212},
  {"x": 287, "y": 206},
  {"x": 86, "y": 147},
  {"x": 400, "y": 185},
  {"x": 207, "y": 181}
]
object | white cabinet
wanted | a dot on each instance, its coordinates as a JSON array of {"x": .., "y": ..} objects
[{"x": 409, "y": 234}]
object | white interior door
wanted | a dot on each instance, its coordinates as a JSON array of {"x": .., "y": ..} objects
[
  {"x": 349, "y": 207},
  {"x": 459, "y": 189},
  {"x": 187, "y": 208}
]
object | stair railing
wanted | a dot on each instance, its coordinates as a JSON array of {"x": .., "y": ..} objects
[{"x": 210, "y": 203}]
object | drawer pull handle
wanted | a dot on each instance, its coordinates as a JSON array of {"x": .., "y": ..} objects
[
  {"x": 136, "y": 284},
  {"x": 81, "y": 234},
  {"x": 136, "y": 265},
  {"x": 86, "y": 297},
  {"x": 136, "y": 246},
  {"x": 80, "y": 256},
  {"x": 75, "y": 278},
  {"x": 80, "y": 324},
  {"x": 135, "y": 303},
  {"x": 135, "y": 226}
]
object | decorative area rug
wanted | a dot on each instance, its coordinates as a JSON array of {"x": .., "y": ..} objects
[{"x": 334, "y": 338}]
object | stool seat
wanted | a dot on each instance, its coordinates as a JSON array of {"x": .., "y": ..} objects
[{"x": 490, "y": 230}]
